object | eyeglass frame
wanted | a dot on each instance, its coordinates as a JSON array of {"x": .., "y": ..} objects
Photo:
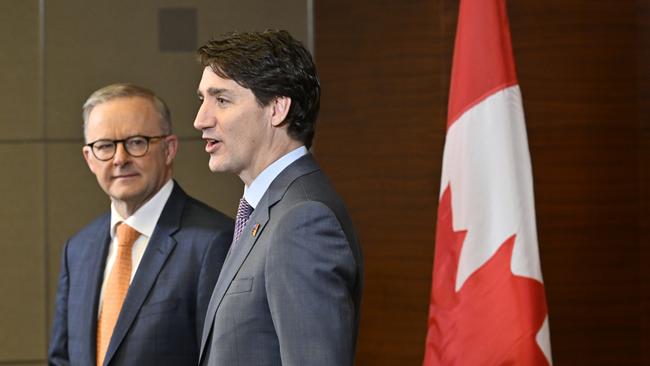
[{"x": 124, "y": 145}]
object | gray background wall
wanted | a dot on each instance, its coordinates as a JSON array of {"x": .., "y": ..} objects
[{"x": 53, "y": 54}]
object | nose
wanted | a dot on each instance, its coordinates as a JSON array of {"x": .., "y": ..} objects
[
  {"x": 202, "y": 119},
  {"x": 121, "y": 156}
]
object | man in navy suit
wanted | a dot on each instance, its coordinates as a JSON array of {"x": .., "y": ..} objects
[{"x": 173, "y": 263}]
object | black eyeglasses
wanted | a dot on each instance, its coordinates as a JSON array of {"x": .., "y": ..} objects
[{"x": 136, "y": 146}]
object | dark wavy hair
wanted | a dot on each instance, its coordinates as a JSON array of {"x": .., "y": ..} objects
[{"x": 271, "y": 64}]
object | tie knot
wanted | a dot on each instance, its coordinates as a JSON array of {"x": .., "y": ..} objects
[
  {"x": 243, "y": 213},
  {"x": 126, "y": 235},
  {"x": 245, "y": 209}
]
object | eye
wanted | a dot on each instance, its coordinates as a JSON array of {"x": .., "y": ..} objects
[
  {"x": 136, "y": 142},
  {"x": 222, "y": 101},
  {"x": 103, "y": 145}
]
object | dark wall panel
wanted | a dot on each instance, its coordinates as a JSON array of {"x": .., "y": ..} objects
[
  {"x": 643, "y": 23},
  {"x": 583, "y": 69},
  {"x": 578, "y": 71},
  {"x": 380, "y": 139}
]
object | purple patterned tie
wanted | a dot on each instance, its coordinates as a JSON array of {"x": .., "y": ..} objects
[{"x": 243, "y": 213}]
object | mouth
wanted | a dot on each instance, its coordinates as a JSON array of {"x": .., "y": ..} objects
[
  {"x": 124, "y": 176},
  {"x": 212, "y": 145}
]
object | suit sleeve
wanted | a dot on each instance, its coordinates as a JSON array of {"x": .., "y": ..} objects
[
  {"x": 310, "y": 276},
  {"x": 58, "y": 348},
  {"x": 210, "y": 269}
]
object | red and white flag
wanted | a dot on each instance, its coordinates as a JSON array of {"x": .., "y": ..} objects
[{"x": 487, "y": 301}]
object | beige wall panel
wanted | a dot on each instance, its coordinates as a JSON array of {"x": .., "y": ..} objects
[
  {"x": 74, "y": 199},
  {"x": 22, "y": 284},
  {"x": 219, "y": 190},
  {"x": 93, "y": 43},
  {"x": 19, "y": 70}
]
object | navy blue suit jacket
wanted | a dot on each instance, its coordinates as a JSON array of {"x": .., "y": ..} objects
[{"x": 162, "y": 316}]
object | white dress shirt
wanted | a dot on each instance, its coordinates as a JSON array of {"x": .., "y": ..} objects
[
  {"x": 143, "y": 221},
  {"x": 253, "y": 193}
]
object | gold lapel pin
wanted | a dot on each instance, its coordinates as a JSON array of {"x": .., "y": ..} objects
[{"x": 255, "y": 228}]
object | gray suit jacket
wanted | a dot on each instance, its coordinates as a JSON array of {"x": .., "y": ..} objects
[
  {"x": 290, "y": 289},
  {"x": 161, "y": 320}
]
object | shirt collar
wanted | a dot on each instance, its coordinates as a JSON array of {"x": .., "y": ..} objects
[
  {"x": 145, "y": 218},
  {"x": 253, "y": 193}
]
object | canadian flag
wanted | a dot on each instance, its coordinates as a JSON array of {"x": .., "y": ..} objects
[{"x": 487, "y": 302}]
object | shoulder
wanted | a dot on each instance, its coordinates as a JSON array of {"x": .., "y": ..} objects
[
  {"x": 85, "y": 242},
  {"x": 201, "y": 214},
  {"x": 310, "y": 236},
  {"x": 311, "y": 203},
  {"x": 93, "y": 229},
  {"x": 205, "y": 231},
  {"x": 202, "y": 227},
  {"x": 314, "y": 192},
  {"x": 190, "y": 211}
]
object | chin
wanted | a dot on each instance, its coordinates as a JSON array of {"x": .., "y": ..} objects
[
  {"x": 216, "y": 166},
  {"x": 123, "y": 195},
  {"x": 213, "y": 168}
]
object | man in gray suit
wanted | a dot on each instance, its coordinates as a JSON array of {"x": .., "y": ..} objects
[{"x": 290, "y": 289}]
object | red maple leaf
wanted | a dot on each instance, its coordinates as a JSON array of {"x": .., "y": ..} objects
[{"x": 494, "y": 317}]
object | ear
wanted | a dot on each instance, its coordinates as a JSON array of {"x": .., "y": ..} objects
[
  {"x": 280, "y": 109},
  {"x": 171, "y": 148},
  {"x": 87, "y": 153}
]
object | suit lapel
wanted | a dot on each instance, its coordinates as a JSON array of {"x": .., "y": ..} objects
[
  {"x": 160, "y": 246},
  {"x": 240, "y": 250},
  {"x": 96, "y": 253},
  {"x": 234, "y": 260}
]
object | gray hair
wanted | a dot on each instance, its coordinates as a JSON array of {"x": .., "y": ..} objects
[{"x": 125, "y": 90}]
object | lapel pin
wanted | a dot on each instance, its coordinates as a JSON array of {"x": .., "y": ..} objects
[{"x": 255, "y": 228}]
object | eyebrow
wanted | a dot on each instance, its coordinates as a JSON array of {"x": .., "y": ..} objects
[
  {"x": 216, "y": 91},
  {"x": 212, "y": 91}
]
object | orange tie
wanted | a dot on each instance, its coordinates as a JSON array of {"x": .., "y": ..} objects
[{"x": 116, "y": 287}]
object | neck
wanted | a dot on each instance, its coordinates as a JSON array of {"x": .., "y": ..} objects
[
  {"x": 128, "y": 208},
  {"x": 266, "y": 158}
]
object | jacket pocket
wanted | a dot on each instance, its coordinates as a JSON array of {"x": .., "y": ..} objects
[
  {"x": 159, "y": 307},
  {"x": 240, "y": 285}
]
